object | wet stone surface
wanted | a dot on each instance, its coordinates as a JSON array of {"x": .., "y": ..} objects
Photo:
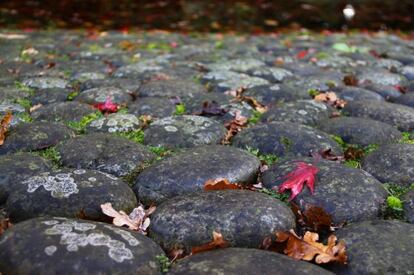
[
  {"x": 408, "y": 200},
  {"x": 170, "y": 88},
  {"x": 191, "y": 169},
  {"x": 72, "y": 193},
  {"x": 114, "y": 123},
  {"x": 184, "y": 131},
  {"x": 104, "y": 152},
  {"x": 378, "y": 247},
  {"x": 189, "y": 221},
  {"x": 78, "y": 246},
  {"x": 35, "y": 136},
  {"x": 347, "y": 194},
  {"x": 101, "y": 94},
  {"x": 285, "y": 139},
  {"x": 63, "y": 111},
  {"x": 227, "y": 261}
]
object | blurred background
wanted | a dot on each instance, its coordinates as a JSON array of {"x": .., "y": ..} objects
[{"x": 211, "y": 16}]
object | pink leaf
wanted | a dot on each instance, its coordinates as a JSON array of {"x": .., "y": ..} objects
[
  {"x": 107, "y": 107},
  {"x": 303, "y": 173}
]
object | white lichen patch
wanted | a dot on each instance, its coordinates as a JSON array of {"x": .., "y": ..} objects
[
  {"x": 117, "y": 123},
  {"x": 50, "y": 250},
  {"x": 74, "y": 240},
  {"x": 170, "y": 128},
  {"x": 62, "y": 185},
  {"x": 79, "y": 171}
]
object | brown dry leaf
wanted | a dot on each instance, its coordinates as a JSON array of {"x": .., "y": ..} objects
[
  {"x": 353, "y": 153},
  {"x": 234, "y": 126},
  {"x": 176, "y": 253},
  {"x": 217, "y": 242},
  {"x": 35, "y": 107},
  {"x": 308, "y": 248},
  {"x": 146, "y": 120},
  {"x": 331, "y": 98},
  {"x": 4, "y": 225},
  {"x": 137, "y": 220},
  {"x": 219, "y": 184},
  {"x": 4, "y": 126},
  {"x": 238, "y": 94}
]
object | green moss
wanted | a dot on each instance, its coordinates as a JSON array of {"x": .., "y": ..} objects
[
  {"x": 268, "y": 159},
  {"x": 72, "y": 95},
  {"x": 406, "y": 138},
  {"x": 153, "y": 46},
  {"x": 164, "y": 263},
  {"x": 80, "y": 126},
  {"x": 25, "y": 103},
  {"x": 160, "y": 151},
  {"x": 20, "y": 86},
  {"x": 339, "y": 140},
  {"x": 322, "y": 55},
  {"x": 287, "y": 143},
  {"x": 123, "y": 110},
  {"x": 179, "y": 109},
  {"x": 370, "y": 148},
  {"x": 25, "y": 117},
  {"x": 394, "y": 206},
  {"x": 50, "y": 154},
  {"x": 256, "y": 116},
  {"x": 135, "y": 136},
  {"x": 313, "y": 92},
  {"x": 219, "y": 45},
  {"x": 274, "y": 194},
  {"x": 353, "y": 163}
]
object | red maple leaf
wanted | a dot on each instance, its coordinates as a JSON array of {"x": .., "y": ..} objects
[
  {"x": 107, "y": 107},
  {"x": 303, "y": 173},
  {"x": 302, "y": 54}
]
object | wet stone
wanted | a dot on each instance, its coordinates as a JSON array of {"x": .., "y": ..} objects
[
  {"x": 408, "y": 72},
  {"x": 378, "y": 247},
  {"x": 100, "y": 95},
  {"x": 392, "y": 163},
  {"x": 361, "y": 131},
  {"x": 237, "y": 65},
  {"x": 308, "y": 112},
  {"x": 184, "y": 131},
  {"x": 405, "y": 99},
  {"x": 186, "y": 172},
  {"x": 80, "y": 247},
  {"x": 255, "y": 261},
  {"x": 68, "y": 193},
  {"x": 271, "y": 74},
  {"x": 194, "y": 104},
  {"x": 386, "y": 91},
  {"x": 347, "y": 194},
  {"x": 399, "y": 116},
  {"x": 228, "y": 80},
  {"x": 244, "y": 218},
  {"x": 45, "y": 82},
  {"x": 49, "y": 96},
  {"x": 408, "y": 201},
  {"x": 104, "y": 152},
  {"x": 63, "y": 111},
  {"x": 17, "y": 167},
  {"x": 348, "y": 93},
  {"x": 156, "y": 107},
  {"x": 272, "y": 94},
  {"x": 114, "y": 123},
  {"x": 35, "y": 136},
  {"x": 285, "y": 139},
  {"x": 11, "y": 93},
  {"x": 380, "y": 77},
  {"x": 170, "y": 88}
]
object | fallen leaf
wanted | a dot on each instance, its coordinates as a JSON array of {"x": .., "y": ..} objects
[
  {"x": 4, "y": 225},
  {"x": 302, "y": 54},
  {"x": 328, "y": 155},
  {"x": 211, "y": 109},
  {"x": 137, "y": 220},
  {"x": 238, "y": 94},
  {"x": 176, "y": 253},
  {"x": 217, "y": 242},
  {"x": 331, "y": 98},
  {"x": 107, "y": 107},
  {"x": 219, "y": 184},
  {"x": 308, "y": 248},
  {"x": 313, "y": 218},
  {"x": 145, "y": 120},
  {"x": 303, "y": 173},
  {"x": 35, "y": 107},
  {"x": 353, "y": 153},
  {"x": 350, "y": 80},
  {"x": 4, "y": 126},
  {"x": 234, "y": 126}
]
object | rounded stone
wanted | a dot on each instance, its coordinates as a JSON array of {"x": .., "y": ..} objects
[
  {"x": 35, "y": 136},
  {"x": 361, "y": 131},
  {"x": 45, "y": 82},
  {"x": 63, "y": 111},
  {"x": 271, "y": 74},
  {"x": 391, "y": 163},
  {"x": 79, "y": 247},
  {"x": 380, "y": 77},
  {"x": 399, "y": 116},
  {"x": 68, "y": 193},
  {"x": 100, "y": 95},
  {"x": 170, "y": 88},
  {"x": 184, "y": 131},
  {"x": 17, "y": 167},
  {"x": 356, "y": 93},
  {"x": 408, "y": 205},
  {"x": 186, "y": 172},
  {"x": 378, "y": 247},
  {"x": 347, "y": 194},
  {"x": 114, "y": 123},
  {"x": 254, "y": 261},
  {"x": 104, "y": 152},
  {"x": 272, "y": 94},
  {"x": 285, "y": 139},
  {"x": 244, "y": 218},
  {"x": 227, "y": 80},
  {"x": 308, "y": 112},
  {"x": 157, "y": 107},
  {"x": 405, "y": 99},
  {"x": 48, "y": 96}
]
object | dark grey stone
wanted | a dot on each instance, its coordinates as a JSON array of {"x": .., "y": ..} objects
[
  {"x": 408, "y": 201},
  {"x": 68, "y": 193},
  {"x": 104, "y": 152},
  {"x": 391, "y": 163},
  {"x": 187, "y": 172},
  {"x": 308, "y": 112},
  {"x": 184, "y": 131},
  {"x": 170, "y": 88},
  {"x": 378, "y": 247},
  {"x": 349, "y": 93},
  {"x": 380, "y": 77},
  {"x": 399, "y": 116},
  {"x": 347, "y": 194},
  {"x": 272, "y": 94},
  {"x": 361, "y": 131},
  {"x": 71, "y": 246},
  {"x": 285, "y": 139},
  {"x": 405, "y": 99},
  {"x": 17, "y": 167},
  {"x": 45, "y": 82},
  {"x": 244, "y": 218},
  {"x": 48, "y": 96},
  {"x": 243, "y": 261},
  {"x": 157, "y": 107},
  {"x": 100, "y": 94},
  {"x": 63, "y": 111},
  {"x": 35, "y": 136}
]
